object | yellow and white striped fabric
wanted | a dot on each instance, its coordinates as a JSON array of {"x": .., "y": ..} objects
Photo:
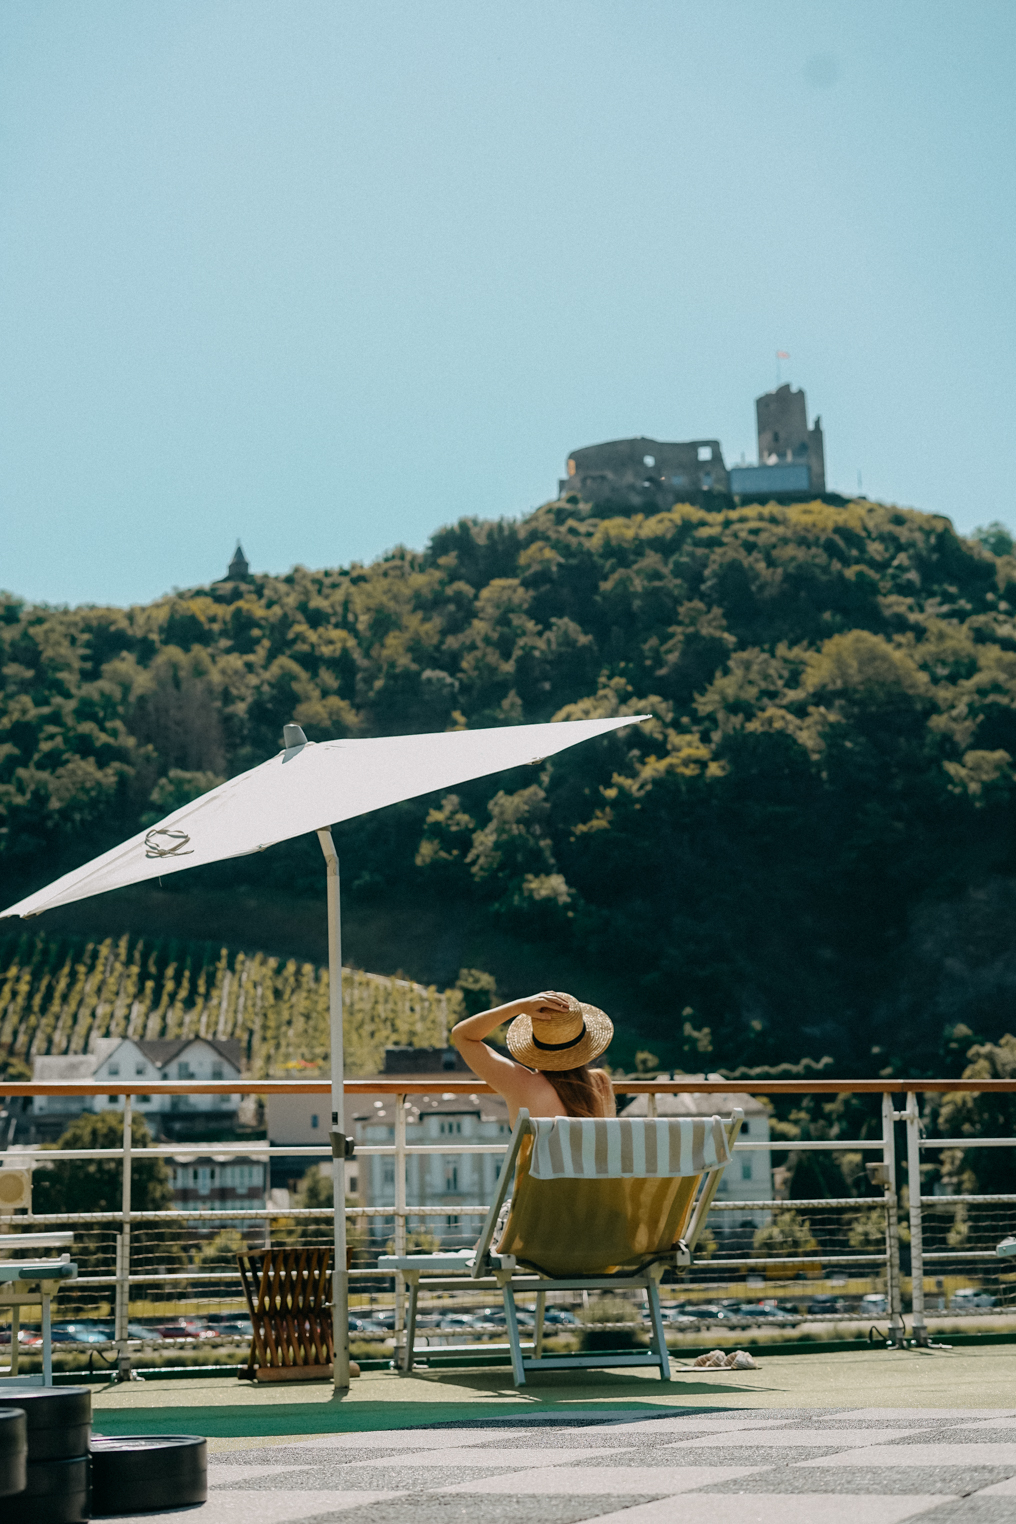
[{"x": 622, "y": 1148}]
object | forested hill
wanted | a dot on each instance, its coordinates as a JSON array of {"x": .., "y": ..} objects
[{"x": 808, "y": 850}]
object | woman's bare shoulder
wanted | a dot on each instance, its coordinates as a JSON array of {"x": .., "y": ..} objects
[{"x": 536, "y": 1094}]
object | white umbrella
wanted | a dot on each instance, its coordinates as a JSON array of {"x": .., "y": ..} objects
[{"x": 310, "y": 787}]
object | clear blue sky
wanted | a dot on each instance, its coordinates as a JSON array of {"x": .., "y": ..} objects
[{"x": 326, "y": 274}]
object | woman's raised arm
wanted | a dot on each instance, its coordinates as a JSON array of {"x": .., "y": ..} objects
[{"x": 501, "y": 1073}]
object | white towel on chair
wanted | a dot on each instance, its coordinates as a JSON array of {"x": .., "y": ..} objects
[{"x": 621, "y": 1148}]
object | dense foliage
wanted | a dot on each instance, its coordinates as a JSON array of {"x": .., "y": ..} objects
[{"x": 787, "y": 859}]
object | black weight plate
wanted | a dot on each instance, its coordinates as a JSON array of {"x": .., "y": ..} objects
[
  {"x": 56, "y": 1492},
  {"x": 61, "y": 1508},
  {"x": 59, "y": 1444},
  {"x": 61, "y": 1407},
  {"x": 13, "y": 1426},
  {"x": 13, "y": 1451},
  {"x": 13, "y": 1473},
  {"x": 147, "y": 1472}
]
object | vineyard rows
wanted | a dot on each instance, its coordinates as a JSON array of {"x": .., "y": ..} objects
[{"x": 57, "y": 994}]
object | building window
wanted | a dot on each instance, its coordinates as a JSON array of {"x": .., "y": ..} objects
[
  {"x": 354, "y": 1185},
  {"x": 451, "y": 1222},
  {"x": 183, "y": 1070},
  {"x": 745, "y": 1169},
  {"x": 705, "y": 452},
  {"x": 313, "y": 1119},
  {"x": 217, "y": 1071},
  {"x": 145, "y": 1100},
  {"x": 452, "y": 1179},
  {"x": 388, "y": 1175},
  {"x": 114, "y": 1069}
]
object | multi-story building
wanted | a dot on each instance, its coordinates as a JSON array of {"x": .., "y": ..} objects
[
  {"x": 206, "y": 1181},
  {"x": 115, "y": 1058},
  {"x": 448, "y": 1178},
  {"x": 749, "y": 1176}
]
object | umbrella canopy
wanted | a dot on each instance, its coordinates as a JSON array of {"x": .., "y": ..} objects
[{"x": 305, "y": 788}]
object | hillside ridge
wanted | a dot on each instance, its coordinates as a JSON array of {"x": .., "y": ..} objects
[
  {"x": 830, "y": 758},
  {"x": 58, "y": 994}
]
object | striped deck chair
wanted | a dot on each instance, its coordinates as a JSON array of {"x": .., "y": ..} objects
[{"x": 600, "y": 1203}]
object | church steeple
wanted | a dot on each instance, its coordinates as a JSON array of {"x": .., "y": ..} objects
[{"x": 239, "y": 567}]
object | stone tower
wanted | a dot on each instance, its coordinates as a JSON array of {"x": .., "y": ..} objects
[
  {"x": 784, "y": 436},
  {"x": 239, "y": 567}
]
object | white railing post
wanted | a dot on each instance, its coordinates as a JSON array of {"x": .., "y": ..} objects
[
  {"x": 121, "y": 1317},
  {"x": 401, "y": 1103},
  {"x": 913, "y": 1119},
  {"x": 892, "y": 1234}
]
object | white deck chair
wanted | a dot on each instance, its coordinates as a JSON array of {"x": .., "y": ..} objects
[{"x": 600, "y": 1203}]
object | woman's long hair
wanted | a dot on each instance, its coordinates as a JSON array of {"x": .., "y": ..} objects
[{"x": 583, "y": 1092}]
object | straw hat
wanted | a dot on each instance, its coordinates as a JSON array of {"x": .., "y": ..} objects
[{"x": 566, "y": 1041}]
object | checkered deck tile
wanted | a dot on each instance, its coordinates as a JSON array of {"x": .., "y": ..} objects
[{"x": 785, "y": 1466}]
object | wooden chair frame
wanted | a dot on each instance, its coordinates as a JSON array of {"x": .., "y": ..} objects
[{"x": 288, "y": 1295}]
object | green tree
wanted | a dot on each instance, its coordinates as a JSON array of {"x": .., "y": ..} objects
[
  {"x": 973, "y": 1114},
  {"x": 994, "y": 537},
  {"x": 479, "y": 990},
  {"x": 786, "y": 1233},
  {"x": 96, "y": 1185},
  {"x": 221, "y": 1250}
]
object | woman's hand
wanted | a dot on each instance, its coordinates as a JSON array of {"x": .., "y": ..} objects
[{"x": 544, "y": 1006}]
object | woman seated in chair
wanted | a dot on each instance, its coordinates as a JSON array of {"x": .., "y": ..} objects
[{"x": 553, "y": 1038}]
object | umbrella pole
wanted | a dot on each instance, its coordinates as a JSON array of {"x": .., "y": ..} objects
[{"x": 340, "y": 1276}]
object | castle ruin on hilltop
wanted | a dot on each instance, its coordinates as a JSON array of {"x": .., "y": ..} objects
[{"x": 634, "y": 473}]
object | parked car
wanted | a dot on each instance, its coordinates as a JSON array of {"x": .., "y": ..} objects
[
  {"x": 706, "y": 1312},
  {"x": 86, "y": 1331},
  {"x": 874, "y": 1305},
  {"x": 28, "y": 1338},
  {"x": 969, "y": 1297},
  {"x": 142, "y": 1331},
  {"x": 768, "y": 1312},
  {"x": 559, "y": 1317},
  {"x": 183, "y": 1328},
  {"x": 677, "y": 1317},
  {"x": 827, "y": 1306},
  {"x": 239, "y": 1328},
  {"x": 494, "y": 1317},
  {"x": 368, "y": 1325}
]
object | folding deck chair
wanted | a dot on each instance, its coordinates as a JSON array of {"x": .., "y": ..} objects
[{"x": 599, "y": 1204}]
